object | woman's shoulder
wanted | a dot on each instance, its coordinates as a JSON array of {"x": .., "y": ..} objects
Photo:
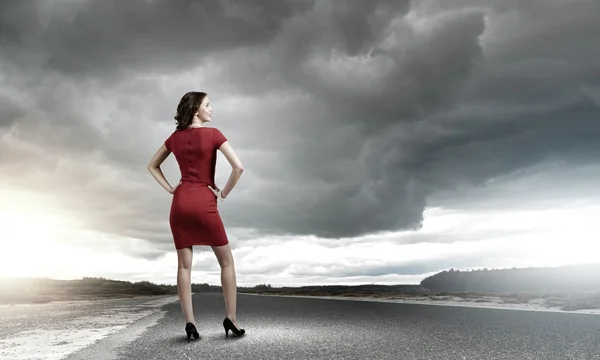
[{"x": 218, "y": 138}]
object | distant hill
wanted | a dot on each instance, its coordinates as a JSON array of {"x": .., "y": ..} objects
[{"x": 570, "y": 278}]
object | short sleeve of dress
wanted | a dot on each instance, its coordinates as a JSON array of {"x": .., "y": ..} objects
[
  {"x": 168, "y": 142},
  {"x": 218, "y": 138}
]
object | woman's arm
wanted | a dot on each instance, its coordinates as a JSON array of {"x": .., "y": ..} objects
[
  {"x": 154, "y": 167},
  {"x": 236, "y": 168}
]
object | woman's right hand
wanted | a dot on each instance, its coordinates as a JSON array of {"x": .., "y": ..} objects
[{"x": 216, "y": 192}]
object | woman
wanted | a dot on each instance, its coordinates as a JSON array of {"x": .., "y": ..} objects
[{"x": 194, "y": 218}]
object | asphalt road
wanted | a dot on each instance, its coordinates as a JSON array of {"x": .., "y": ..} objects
[
  {"x": 301, "y": 328},
  {"x": 292, "y": 328}
]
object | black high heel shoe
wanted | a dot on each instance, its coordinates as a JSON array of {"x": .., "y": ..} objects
[
  {"x": 190, "y": 329},
  {"x": 228, "y": 325}
]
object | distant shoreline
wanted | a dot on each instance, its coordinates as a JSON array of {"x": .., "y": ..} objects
[
  {"x": 570, "y": 289},
  {"x": 68, "y": 299},
  {"x": 483, "y": 301}
]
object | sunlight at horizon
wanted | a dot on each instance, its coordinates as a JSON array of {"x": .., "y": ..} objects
[{"x": 61, "y": 248}]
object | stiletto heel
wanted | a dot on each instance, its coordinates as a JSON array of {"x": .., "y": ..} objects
[
  {"x": 228, "y": 325},
  {"x": 190, "y": 329}
]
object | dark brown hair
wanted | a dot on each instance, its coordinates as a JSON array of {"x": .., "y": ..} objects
[{"x": 188, "y": 105}]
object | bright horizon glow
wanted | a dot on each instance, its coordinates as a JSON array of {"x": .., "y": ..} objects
[
  {"x": 33, "y": 236},
  {"x": 38, "y": 243}
]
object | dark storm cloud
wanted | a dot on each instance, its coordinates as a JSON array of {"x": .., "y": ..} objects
[
  {"x": 348, "y": 115},
  {"x": 100, "y": 38},
  {"x": 466, "y": 100}
]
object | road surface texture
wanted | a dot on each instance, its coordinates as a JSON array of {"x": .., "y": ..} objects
[{"x": 305, "y": 328}]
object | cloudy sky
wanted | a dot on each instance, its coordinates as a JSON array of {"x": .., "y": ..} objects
[{"x": 382, "y": 141}]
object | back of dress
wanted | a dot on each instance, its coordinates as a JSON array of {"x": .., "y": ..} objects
[
  {"x": 195, "y": 150},
  {"x": 194, "y": 217}
]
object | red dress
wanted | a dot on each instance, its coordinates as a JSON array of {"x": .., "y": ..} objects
[{"x": 194, "y": 217}]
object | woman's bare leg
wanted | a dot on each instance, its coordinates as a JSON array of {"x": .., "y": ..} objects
[
  {"x": 228, "y": 280},
  {"x": 184, "y": 282}
]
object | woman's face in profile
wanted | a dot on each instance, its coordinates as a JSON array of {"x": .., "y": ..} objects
[{"x": 205, "y": 110}]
